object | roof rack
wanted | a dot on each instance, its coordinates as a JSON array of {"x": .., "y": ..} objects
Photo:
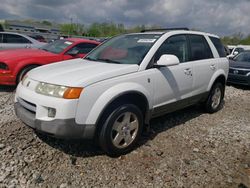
[{"x": 166, "y": 29}]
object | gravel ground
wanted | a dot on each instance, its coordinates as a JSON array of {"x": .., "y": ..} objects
[{"x": 187, "y": 148}]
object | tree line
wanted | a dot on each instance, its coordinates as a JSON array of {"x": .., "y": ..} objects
[
  {"x": 236, "y": 39},
  {"x": 109, "y": 29},
  {"x": 112, "y": 29},
  {"x": 100, "y": 29}
]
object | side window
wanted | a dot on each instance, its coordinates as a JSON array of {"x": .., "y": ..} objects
[
  {"x": 15, "y": 39},
  {"x": 218, "y": 45},
  {"x": 1, "y": 38},
  {"x": 239, "y": 50},
  {"x": 199, "y": 48},
  {"x": 4, "y": 38},
  {"x": 175, "y": 45},
  {"x": 83, "y": 48}
]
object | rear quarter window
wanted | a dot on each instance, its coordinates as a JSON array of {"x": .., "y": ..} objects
[{"x": 219, "y": 46}]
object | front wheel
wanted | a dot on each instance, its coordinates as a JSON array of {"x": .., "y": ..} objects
[
  {"x": 215, "y": 98},
  {"x": 24, "y": 71},
  {"x": 121, "y": 130}
]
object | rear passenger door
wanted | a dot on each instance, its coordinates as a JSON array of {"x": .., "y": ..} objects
[
  {"x": 173, "y": 84},
  {"x": 204, "y": 64}
]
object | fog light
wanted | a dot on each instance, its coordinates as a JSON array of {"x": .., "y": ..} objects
[{"x": 51, "y": 112}]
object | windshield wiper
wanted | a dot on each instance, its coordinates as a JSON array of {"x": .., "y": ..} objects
[
  {"x": 44, "y": 49},
  {"x": 108, "y": 60}
]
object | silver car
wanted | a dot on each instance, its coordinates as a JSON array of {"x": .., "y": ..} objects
[{"x": 10, "y": 40}]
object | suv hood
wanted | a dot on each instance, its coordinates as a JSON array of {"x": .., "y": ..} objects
[
  {"x": 239, "y": 64},
  {"x": 79, "y": 72}
]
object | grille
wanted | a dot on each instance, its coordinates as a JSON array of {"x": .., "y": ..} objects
[
  {"x": 27, "y": 105},
  {"x": 240, "y": 71}
]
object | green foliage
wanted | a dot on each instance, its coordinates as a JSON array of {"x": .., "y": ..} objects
[
  {"x": 72, "y": 29},
  {"x": 246, "y": 41},
  {"x": 105, "y": 29},
  {"x": 236, "y": 39},
  {"x": 45, "y": 22},
  {"x": 109, "y": 29}
]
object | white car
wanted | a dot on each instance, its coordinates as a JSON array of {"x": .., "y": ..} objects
[
  {"x": 235, "y": 50},
  {"x": 115, "y": 91},
  {"x": 10, "y": 40}
]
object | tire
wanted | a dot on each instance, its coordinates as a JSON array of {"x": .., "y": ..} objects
[
  {"x": 214, "y": 101},
  {"x": 121, "y": 130},
  {"x": 24, "y": 71}
]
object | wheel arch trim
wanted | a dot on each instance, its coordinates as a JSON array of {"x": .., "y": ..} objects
[
  {"x": 114, "y": 93},
  {"x": 218, "y": 74}
]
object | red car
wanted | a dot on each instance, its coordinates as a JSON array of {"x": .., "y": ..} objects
[{"x": 14, "y": 64}]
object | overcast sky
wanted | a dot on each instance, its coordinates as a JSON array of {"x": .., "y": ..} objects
[{"x": 222, "y": 17}]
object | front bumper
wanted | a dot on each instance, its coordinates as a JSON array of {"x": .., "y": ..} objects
[
  {"x": 61, "y": 128},
  {"x": 238, "y": 79}
]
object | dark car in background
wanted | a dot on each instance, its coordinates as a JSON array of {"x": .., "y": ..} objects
[
  {"x": 39, "y": 38},
  {"x": 239, "y": 69}
]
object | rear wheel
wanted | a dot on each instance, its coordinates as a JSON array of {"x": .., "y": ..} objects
[
  {"x": 121, "y": 130},
  {"x": 24, "y": 71},
  {"x": 215, "y": 98}
]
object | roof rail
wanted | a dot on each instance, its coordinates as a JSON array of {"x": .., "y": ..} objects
[{"x": 166, "y": 29}]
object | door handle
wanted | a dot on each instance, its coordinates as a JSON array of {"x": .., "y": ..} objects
[
  {"x": 188, "y": 72},
  {"x": 213, "y": 67}
]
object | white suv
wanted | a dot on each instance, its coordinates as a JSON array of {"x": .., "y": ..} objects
[{"x": 112, "y": 93}]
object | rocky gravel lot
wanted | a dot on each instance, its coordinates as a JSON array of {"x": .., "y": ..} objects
[{"x": 187, "y": 148}]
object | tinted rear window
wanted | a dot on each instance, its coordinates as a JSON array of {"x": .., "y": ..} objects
[
  {"x": 199, "y": 48},
  {"x": 14, "y": 39},
  {"x": 218, "y": 45}
]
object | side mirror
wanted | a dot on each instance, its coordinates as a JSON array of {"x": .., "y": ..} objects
[
  {"x": 168, "y": 60},
  {"x": 73, "y": 52},
  {"x": 235, "y": 53}
]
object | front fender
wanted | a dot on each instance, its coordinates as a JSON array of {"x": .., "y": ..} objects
[
  {"x": 23, "y": 64},
  {"x": 112, "y": 93}
]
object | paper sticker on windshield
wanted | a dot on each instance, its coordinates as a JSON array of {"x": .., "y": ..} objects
[
  {"x": 146, "y": 40},
  {"x": 67, "y": 42}
]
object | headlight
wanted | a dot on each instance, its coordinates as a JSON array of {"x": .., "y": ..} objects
[
  {"x": 4, "y": 66},
  {"x": 58, "y": 91}
]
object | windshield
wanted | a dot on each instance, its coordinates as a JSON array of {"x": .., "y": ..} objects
[
  {"x": 124, "y": 49},
  {"x": 57, "y": 46},
  {"x": 244, "y": 56}
]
